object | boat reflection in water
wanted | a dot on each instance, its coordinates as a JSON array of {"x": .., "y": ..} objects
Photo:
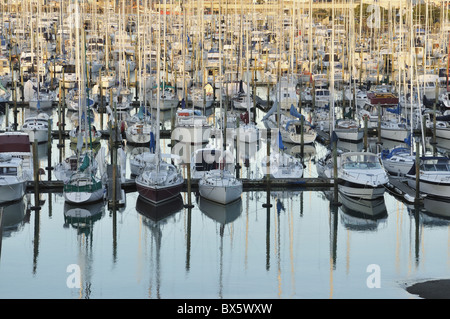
[
  {"x": 156, "y": 216},
  {"x": 159, "y": 212},
  {"x": 84, "y": 216},
  {"x": 435, "y": 212},
  {"x": 362, "y": 214},
  {"x": 223, "y": 214},
  {"x": 12, "y": 217}
]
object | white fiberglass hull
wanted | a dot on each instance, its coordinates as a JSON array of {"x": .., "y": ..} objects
[
  {"x": 220, "y": 187},
  {"x": 40, "y": 136},
  {"x": 443, "y": 133},
  {"x": 432, "y": 188},
  {"x": 361, "y": 191},
  {"x": 394, "y": 134},
  {"x": 349, "y": 134},
  {"x": 11, "y": 191},
  {"x": 220, "y": 193},
  {"x": 397, "y": 168},
  {"x": 83, "y": 197}
]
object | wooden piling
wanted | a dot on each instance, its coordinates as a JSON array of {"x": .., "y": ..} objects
[
  {"x": 36, "y": 175},
  {"x": 417, "y": 198},
  {"x": 49, "y": 150},
  {"x": 189, "y": 204}
]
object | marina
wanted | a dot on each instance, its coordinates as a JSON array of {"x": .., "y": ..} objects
[{"x": 223, "y": 149}]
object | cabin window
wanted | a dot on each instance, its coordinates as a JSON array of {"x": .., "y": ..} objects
[{"x": 8, "y": 171}]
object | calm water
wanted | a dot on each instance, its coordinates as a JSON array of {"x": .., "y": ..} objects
[{"x": 300, "y": 247}]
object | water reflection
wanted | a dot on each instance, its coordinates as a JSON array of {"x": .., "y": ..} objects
[
  {"x": 157, "y": 214},
  {"x": 222, "y": 214},
  {"x": 12, "y": 216},
  {"x": 82, "y": 218},
  {"x": 435, "y": 212},
  {"x": 155, "y": 217},
  {"x": 362, "y": 215}
]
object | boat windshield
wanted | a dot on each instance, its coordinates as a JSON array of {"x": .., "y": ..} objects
[
  {"x": 361, "y": 161},
  {"x": 435, "y": 165}
]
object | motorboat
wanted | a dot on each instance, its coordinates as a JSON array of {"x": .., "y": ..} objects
[
  {"x": 434, "y": 178},
  {"x": 37, "y": 127},
  {"x": 12, "y": 178},
  {"x": 360, "y": 174}
]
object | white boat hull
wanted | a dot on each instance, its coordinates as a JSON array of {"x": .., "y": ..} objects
[
  {"x": 394, "y": 134},
  {"x": 361, "y": 191},
  {"x": 431, "y": 188},
  {"x": 83, "y": 197},
  {"x": 11, "y": 191},
  {"x": 443, "y": 133},
  {"x": 349, "y": 134},
  {"x": 220, "y": 193},
  {"x": 41, "y": 136}
]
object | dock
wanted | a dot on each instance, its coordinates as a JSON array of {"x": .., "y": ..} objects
[
  {"x": 248, "y": 184},
  {"x": 399, "y": 188}
]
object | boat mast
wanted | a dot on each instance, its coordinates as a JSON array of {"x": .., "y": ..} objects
[
  {"x": 411, "y": 67},
  {"x": 158, "y": 93},
  {"x": 223, "y": 147},
  {"x": 332, "y": 69}
]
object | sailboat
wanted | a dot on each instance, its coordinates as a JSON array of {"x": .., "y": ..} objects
[
  {"x": 220, "y": 185},
  {"x": 138, "y": 133},
  {"x": 84, "y": 186},
  {"x": 162, "y": 181}
]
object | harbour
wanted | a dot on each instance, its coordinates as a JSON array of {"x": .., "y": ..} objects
[{"x": 223, "y": 150}]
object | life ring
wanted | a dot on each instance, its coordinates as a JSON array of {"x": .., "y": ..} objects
[{"x": 366, "y": 117}]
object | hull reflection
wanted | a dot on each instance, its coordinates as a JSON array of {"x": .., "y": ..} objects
[
  {"x": 222, "y": 214},
  {"x": 83, "y": 217},
  {"x": 435, "y": 212},
  {"x": 362, "y": 214},
  {"x": 157, "y": 212},
  {"x": 12, "y": 217}
]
